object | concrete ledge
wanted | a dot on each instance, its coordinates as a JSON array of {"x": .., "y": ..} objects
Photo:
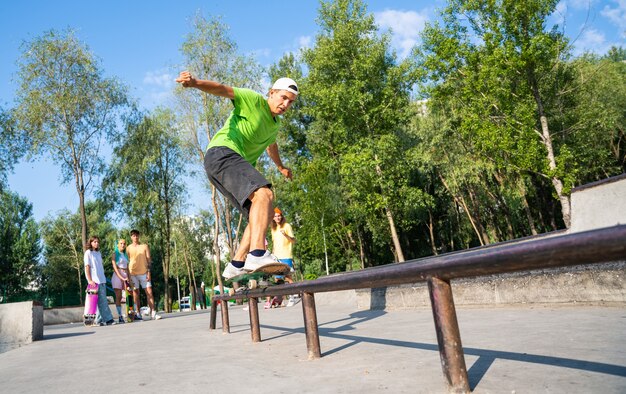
[
  {"x": 602, "y": 283},
  {"x": 72, "y": 314},
  {"x": 21, "y": 322},
  {"x": 599, "y": 204}
]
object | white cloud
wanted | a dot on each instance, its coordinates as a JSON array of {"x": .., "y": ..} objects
[
  {"x": 405, "y": 26},
  {"x": 304, "y": 42},
  {"x": 159, "y": 78},
  {"x": 559, "y": 12},
  {"x": 591, "y": 40},
  {"x": 582, "y": 4},
  {"x": 158, "y": 88},
  {"x": 261, "y": 53},
  {"x": 617, "y": 15}
]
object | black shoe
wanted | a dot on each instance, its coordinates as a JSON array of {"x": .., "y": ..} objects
[
  {"x": 138, "y": 317},
  {"x": 111, "y": 322}
]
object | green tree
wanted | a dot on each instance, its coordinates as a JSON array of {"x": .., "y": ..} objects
[
  {"x": 63, "y": 253},
  {"x": 19, "y": 244},
  {"x": 358, "y": 96},
  {"x": 67, "y": 108},
  {"x": 501, "y": 74},
  {"x": 193, "y": 248},
  {"x": 145, "y": 182},
  {"x": 63, "y": 270},
  {"x": 13, "y": 145},
  {"x": 597, "y": 122}
]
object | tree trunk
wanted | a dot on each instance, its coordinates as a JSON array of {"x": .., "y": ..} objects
[
  {"x": 167, "y": 258},
  {"x": 216, "y": 245},
  {"x": 325, "y": 250},
  {"x": 431, "y": 233},
  {"x": 529, "y": 216},
  {"x": 80, "y": 188},
  {"x": 361, "y": 250},
  {"x": 461, "y": 201},
  {"x": 192, "y": 285},
  {"x": 80, "y": 286},
  {"x": 392, "y": 226},
  {"x": 546, "y": 139},
  {"x": 78, "y": 258}
]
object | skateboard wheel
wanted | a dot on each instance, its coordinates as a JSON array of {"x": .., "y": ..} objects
[{"x": 252, "y": 283}]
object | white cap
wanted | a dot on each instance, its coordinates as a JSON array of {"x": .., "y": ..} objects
[{"x": 287, "y": 84}]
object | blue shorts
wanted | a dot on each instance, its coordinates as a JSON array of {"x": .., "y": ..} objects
[
  {"x": 289, "y": 262},
  {"x": 233, "y": 176}
]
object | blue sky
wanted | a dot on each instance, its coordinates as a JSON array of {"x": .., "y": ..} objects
[{"x": 139, "y": 43}]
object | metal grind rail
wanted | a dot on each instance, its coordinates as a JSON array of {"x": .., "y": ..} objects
[{"x": 589, "y": 247}]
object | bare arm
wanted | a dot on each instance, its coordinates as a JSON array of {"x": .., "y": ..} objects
[
  {"x": 272, "y": 151},
  {"x": 149, "y": 275},
  {"x": 289, "y": 237},
  {"x": 211, "y": 87},
  {"x": 116, "y": 268}
]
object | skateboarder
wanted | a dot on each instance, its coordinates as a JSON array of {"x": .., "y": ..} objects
[
  {"x": 229, "y": 161},
  {"x": 94, "y": 272}
]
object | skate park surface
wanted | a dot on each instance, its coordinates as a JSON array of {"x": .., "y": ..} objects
[{"x": 568, "y": 348}]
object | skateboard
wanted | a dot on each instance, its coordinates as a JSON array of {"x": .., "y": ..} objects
[
  {"x": 260, "y": 278},
  {"x": 130, "y": 313},
  {"x": 91, "y": 304}
]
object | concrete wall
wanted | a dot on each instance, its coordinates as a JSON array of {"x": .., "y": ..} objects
[
  {"x": 603, "y": 284},
  {"x": 21, "y": 322},
  {"x": 599, "y": 204},
  {"x": 69, "y": 314}
]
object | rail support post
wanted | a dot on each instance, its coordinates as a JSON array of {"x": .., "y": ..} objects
[
  {"x": 448, "y": 335},
  {"x": 225, "y": 319},
  {"x": 310, "y": 326},
  {"x": 213, "y": 314},
  {"x": 253, "y": 311}
]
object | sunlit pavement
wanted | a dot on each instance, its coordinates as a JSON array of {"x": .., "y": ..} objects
[{"x": 569, "y": 349}]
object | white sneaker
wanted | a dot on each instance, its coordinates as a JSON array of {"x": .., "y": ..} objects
[
  {"x": 231, "y": 271},
  {"x": 253, "y": 263},
  {"x": 291, "y": 302},
  {"x": 155, "y": 316}
]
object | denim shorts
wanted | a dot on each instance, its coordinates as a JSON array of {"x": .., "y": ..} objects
[{"x": 233, "y": 176}]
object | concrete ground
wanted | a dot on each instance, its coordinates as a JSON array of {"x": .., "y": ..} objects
[{"x": 538, "y": 349}]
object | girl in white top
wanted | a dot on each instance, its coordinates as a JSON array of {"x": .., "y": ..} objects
[
  {"x": 120, "y": 276},
  {"x": 94, "y": 271}
]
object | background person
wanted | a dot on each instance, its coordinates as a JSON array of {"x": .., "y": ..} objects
[
  {"x": 139, "y": 269},
  {"x": 283, "y": 240},
  {"x": 120, "y": 277},
  {"x": 94, "y": 272}
]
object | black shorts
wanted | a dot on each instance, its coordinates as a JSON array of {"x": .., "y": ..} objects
[{"x": 233, "y": 176}]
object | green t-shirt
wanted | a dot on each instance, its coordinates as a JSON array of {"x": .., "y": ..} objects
[{"x": 250, "y": 127}]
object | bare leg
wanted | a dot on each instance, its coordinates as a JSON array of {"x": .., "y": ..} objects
[
  {"x": 118, "y": 297},
  {"x": 244, "y": 245},
  {"x": 150, "y": 298},
  {"x": 136, "y": 299},
  {"x": 258, "y": 222}
]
